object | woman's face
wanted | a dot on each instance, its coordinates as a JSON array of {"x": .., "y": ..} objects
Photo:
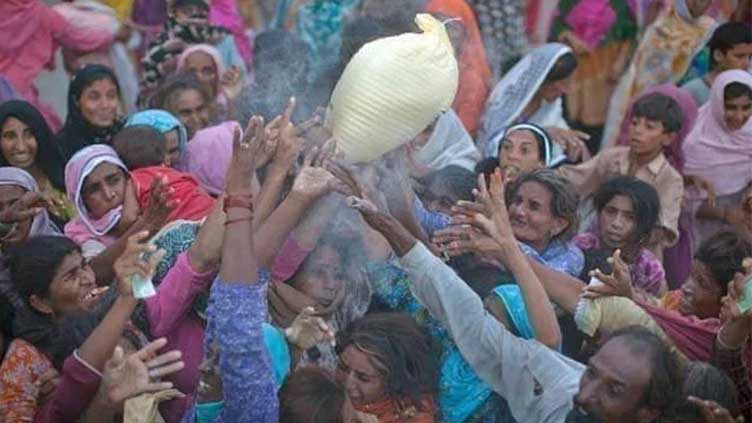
[
  {"x": 362, "y": 381},
  {"x": 9, "y": 194},
  {"x": 18, "y": 143},
  {"x": 520, "y": 150},
  {"x": 701, "y": 294},
  {"x": 322, "y": 277},
  {"x": 531, "y": 217},
  {"x": 736, "y": 112},
  {"x": 189, "y": 106},
  {"x": 550, "y": 91},
  {"x": 617, "y": 222},
  {"x": 72, "y": 288},
  {"x": 104, "y": 189},
  {"x": 202, "y": 65},
  {"x": 173, "y": 147},
  {"x": 99, "y": 103}
]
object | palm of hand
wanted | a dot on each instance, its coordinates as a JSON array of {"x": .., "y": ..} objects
[
  {"x": 314, "y": 181},
  {"x": 126, "y": 379}
]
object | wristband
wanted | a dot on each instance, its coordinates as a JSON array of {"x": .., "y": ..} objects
[{"x": 241, "y": 201}]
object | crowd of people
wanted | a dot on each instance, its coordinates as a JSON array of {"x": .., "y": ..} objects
[{"x": 570, "y": 242}]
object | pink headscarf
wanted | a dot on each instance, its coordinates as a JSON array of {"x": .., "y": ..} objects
[
  {"x": 209, "y": 155},
  {"x": 83, "y": 227},
  {"x": 714, "y": 152},
  {"x": 213, "y": 53},
  {"x": 225, "y": 14},
  {"x": 688, "y": 107}
]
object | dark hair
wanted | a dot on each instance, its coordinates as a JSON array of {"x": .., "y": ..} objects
[
  {"x": 565, "y": 200},
  {"x": 33, "y": 263},
  {"x": 182, "y": 3},
  {"x": 173, "y": 86},
  {"x": 662, "y": 108},
  {"x": 665, "y": 368},
  {"x": 645, "y": 202},
  {"x": 140, "y": 146},
  {"x": 735, "y": 90},
  {"x": 726, "y": 37},
  {"x": 49, "y": 158},
  {"x": 563, "y": 68},
  {"x": 401, "y": 352},
  {"x": 543, "y": 144},
  {"x": 480, "y": 277},
  {"x": 459, "y": 181},
  {"x": 310, "y": 395},
  {"x": 704, "y": 381},
  {"x": 487, "y": 167},
  {"x": 723, "y": 253}
]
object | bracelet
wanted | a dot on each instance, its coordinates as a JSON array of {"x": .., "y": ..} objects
[
  {"x": 242, "y": 201},
  {"x": 240, "y": 219}
]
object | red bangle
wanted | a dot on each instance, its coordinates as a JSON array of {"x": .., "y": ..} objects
[{"x": 238, "y": 201}]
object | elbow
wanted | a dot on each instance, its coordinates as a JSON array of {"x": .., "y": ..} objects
[{"x": 551, "y": 338}]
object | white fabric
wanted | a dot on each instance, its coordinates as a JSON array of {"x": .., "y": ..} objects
[{"x": 449, "y": 144}]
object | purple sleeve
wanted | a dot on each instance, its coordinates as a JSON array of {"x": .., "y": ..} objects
[
  {"x": 289, "y": 259},
  {"x": 238, "y": 311},
  {"x": 78, "y": 386},
  {"x": 175, "y": 296},
  {"x": 430, "y": 221}
]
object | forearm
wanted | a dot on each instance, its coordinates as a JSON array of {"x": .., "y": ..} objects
[
  {"x": 100, "y": 410},
  {"x": 98, "y": 347},
  {"x": 734, "y": 333},
  {"x": 706, "y": 211},
  {"x": 268, "y": 197},
  {"x": 563, "y": 289},
  {"x": 275, "y": 230},
  {"x": 238, "y": 259},
  {"x": 539, "y": 309},
  {"x": 399, "y": 238}
]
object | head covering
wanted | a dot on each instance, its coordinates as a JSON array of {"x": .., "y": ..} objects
[
  {"x": 7, "y": 92},
  {"x": 714, "y": 152},
  {"x": 78, "y": 132},
  {"x": 548, "y": 159},
  {"x": 213, "y": 53},
  {"x": 449, "y": 144},
  {"x": 78, "y": 168},
  {"x": 42, "y": 224},
  {"x": 209, "y": 154},
  {"x": 514, "y": 303},
  {"x": 688, "y": 107},
  {"x": 162, "y": 121},
  {"x": 48, "y": 158},
  {"x": 514, "y": 92}
]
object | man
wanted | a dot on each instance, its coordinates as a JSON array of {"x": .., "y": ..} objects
[{"x": 730, "y": 48}]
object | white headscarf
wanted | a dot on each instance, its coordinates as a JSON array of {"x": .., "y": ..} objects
[{"x": 449, "y": 144}]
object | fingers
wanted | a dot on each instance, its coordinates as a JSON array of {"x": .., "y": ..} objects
[
  {"x": 289, "y": 110},
  {"x": 118, "y": 356},
  {"x": 151, "y": 349}
]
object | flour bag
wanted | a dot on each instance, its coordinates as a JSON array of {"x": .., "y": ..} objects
[{"x": 392, "y": 89}]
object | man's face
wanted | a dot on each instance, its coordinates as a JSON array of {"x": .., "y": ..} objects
[{"x": 614, "y": 385}]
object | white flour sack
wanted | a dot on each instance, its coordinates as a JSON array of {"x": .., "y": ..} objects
[{"x": 392, "y": 89}]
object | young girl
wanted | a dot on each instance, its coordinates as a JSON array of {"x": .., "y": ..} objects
[{"x": 627, "y": 211}]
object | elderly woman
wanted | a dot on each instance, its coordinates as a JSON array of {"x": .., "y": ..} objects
[
  {"x": 186, "y": 98},
  {"x": 26, "y": 142},
  {"x": 94, "y": 111},
  {"x": 224, "y": 85}
]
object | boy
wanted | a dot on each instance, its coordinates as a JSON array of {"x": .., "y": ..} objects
[
  {"x": 655, "y": 123},
  {"x": 730, "y": 48},
  {"x": 144, "y": 151}
]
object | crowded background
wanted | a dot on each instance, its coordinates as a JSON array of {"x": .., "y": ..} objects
[{"x": 376, "y": 211}]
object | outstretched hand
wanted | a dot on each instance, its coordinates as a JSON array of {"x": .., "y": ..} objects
[
  {"x": 309, "y": 330},
  {"x": 131, "y": 263},
  {"x": 617, "y": 284},
  {"x": 245, "y": 153}
]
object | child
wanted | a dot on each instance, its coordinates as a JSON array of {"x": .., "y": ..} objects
[
  {"x": 656, "y": 120},
  {"x": 627, "y": 210},
  {"x": 144, "y": 151}
]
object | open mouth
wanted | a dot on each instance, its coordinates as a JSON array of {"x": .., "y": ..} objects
[{"x": 94, "y": 294}]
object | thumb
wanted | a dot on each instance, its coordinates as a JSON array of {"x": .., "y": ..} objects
[{"x": 117, "y": 358}]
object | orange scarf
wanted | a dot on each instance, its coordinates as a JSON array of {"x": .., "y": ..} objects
[{"x": 389, "y": 411}]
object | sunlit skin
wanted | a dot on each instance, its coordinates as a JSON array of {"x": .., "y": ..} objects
[
  {"x": 520, "y": 150},
  {"x": 617, "y": 222},
  {"x": 647, "y": 137},
  {"x": 202, "y": 65},
  {"x": 70, "y": 290},
  {"x": 701, "y": 294},
  {"x": 736, "y": 112},
  {"x": 531, "y": 218},
  {"x": 9, "y": 195},
  {"x": 356, "y": 372},
  {"x": 614, "y": 384},
  {"x": 18, "y": 143},
  {"x": 103, "y": 189},
  {"x": 191, "y": 109},
  {"x": 99, "y": 103}
]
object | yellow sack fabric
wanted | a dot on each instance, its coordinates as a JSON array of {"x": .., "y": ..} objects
[
  {"x": 392, "y": 89},
  {"x": 145, "y": 407}
]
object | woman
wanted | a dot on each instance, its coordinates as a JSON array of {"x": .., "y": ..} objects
[
  {"x": 543, "y": 213},
  {"x": 224, "y": 85},
  {"x": 94, "y": 114},
  {"x": 531, "y": 93},
  {"x": 26, "y": 142},
  {"x": 663, "y": 55},
  {"x": 719, "y": 150},
  {"x": 524, "y": 148},
  {"x": 601, "y": 33},
  {"x": 627, "y": 211},
  {"x": 167, "y": 124},
  {"x": 34, "y": 31},
  {"x": 387, "y": 368},
  {"x": 184, "y": 97},
  {"x": 445, "y": 142}
]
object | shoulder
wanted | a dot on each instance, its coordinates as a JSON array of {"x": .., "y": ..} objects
[{"x": 24, "y": 357}]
